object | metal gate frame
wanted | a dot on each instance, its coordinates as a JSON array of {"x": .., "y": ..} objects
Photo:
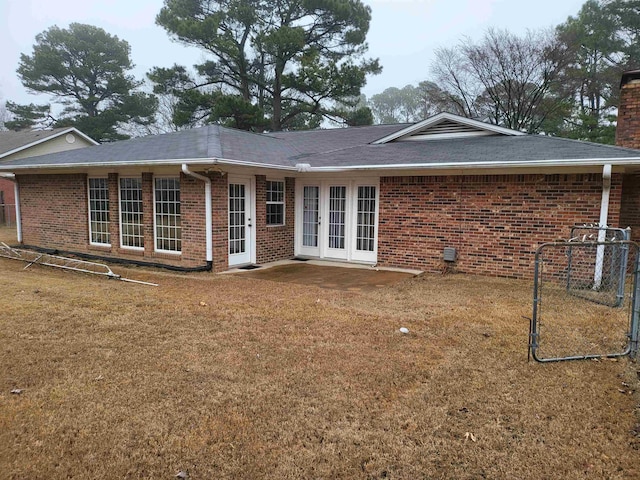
[{"x": 634, "y": 323}]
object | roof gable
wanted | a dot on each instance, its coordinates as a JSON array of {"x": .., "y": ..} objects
[
  {"x": 445, "y": 125},
  {"x": 12, "y": 142}
]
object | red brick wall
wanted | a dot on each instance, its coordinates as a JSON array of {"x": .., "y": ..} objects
[
  {"x": 630, "y": 207},
  {"x": 7, "y": 189},
  {"x": 494, "y": 222},
  {"x": 274, "y": 242},
  {"x": 7, "y": 202},
  {"x": 55, "y": 215},
  {"x": 628, "y": 129},
  {"x": 54, "y": 211},
  {"x": 220, "y": 207},
  {"x": 193, "y": 218}
]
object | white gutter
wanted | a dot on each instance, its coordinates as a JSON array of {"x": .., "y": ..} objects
[
  {"x": 587, "y": 162},
  {"x": 602, "y": 233},
  {"x": 574, "y": 162},
  {"x": 208, "y": 209},
  {"x": 16, "y": 194},
  {"x": 143, "y": 163}
]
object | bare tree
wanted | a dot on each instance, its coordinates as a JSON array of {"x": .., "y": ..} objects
[
  {"x": 411, "y": 103},
  {"x": 504, "y": 79}
]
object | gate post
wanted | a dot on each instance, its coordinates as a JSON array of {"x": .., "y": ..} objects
[{"x": 635, "y": 309}]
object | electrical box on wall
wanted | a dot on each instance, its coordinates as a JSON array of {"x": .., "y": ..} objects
[{"x": 449, "y": 254}]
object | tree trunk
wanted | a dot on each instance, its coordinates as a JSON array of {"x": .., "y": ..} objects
[{"x": 276, "y": 120}]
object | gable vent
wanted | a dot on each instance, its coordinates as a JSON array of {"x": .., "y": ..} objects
[{"x": 446, "y": 129}]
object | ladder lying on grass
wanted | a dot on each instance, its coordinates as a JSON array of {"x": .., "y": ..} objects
[{"x": 65, "y": 263}]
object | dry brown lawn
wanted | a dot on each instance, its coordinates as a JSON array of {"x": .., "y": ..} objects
[{"x": 235, "y": 377}]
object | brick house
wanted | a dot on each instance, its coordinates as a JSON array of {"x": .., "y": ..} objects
[
  {"x": 15, "y": 145},
  {"x": 390, "y": 195}
]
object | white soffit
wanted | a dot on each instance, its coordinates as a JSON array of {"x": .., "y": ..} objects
[{"x": 446, "y": 125}]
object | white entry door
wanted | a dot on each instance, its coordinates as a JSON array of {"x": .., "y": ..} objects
[
  {"x": 241, "y": 235},
  {"x": 338, "y": 220}
]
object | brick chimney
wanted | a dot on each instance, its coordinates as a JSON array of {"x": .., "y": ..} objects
[{"x": 628, "y": 130}]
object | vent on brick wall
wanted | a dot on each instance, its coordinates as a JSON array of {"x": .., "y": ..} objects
[{"x": 449, "y": 254}]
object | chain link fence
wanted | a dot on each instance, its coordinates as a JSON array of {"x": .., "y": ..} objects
[{"x": 586, "y": 302}]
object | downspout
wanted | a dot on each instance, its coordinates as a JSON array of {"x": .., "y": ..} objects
[
  {"x": 16, "y": 194},
  {"x": 602, "y": 232},
  {"x": 208, "y": 211}
]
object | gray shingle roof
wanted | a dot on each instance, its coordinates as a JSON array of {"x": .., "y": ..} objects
[
  {"x": 488, "y": 149},
  {"x": 337, "y": 148}
]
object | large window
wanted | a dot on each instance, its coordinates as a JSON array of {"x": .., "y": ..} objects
[
  {"x": 131, "y": 220},
  {"x": 99, "y": 211},
  {"x": 275, "y": 202},
  {"x": 167, "y": 215}
]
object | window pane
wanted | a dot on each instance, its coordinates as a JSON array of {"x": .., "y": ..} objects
[
  {"x": 275, "y": 202},
  {"x": 131, "y": 218},
  {"x": 99, "y": 211},
  {"x": 310, "y": 216},
  {"x": 168, "y": 224},
  {"x": 365, "y": 238}
]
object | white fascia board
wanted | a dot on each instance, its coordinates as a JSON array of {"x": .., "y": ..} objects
[
  {"x": 50, "y": 137},
  {"x": 451, "y": 117},
  {"x": 145, "y": 163},
  {"x": 481, "y": 165},
  {"x": 80, "y": 134}
]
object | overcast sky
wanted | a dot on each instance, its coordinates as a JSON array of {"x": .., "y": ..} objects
[{"x": 403, "y": 33}]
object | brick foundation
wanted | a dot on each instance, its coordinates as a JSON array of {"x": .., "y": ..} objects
[{"x": 495, "y": 222}]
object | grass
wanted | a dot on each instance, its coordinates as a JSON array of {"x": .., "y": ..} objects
[{"x": 237, "y": 377}]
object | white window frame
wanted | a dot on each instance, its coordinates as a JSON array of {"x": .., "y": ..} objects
[
  {"x": 283, "y": 202},
  {"x": 155, "y": 226},
  {"x": 120, "y": 211},
  {"x": 91, "y": 242}
]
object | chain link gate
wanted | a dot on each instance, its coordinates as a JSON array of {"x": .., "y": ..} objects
[{"x": 586, "y": 300}]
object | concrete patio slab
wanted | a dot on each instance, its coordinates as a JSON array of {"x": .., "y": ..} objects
[{"x": 331, "y": 275}]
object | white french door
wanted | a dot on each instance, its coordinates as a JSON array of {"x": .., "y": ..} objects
[
  {"x": 309, "y": 237},
  {"x": 241, "y": 231},
  {"x": 338, "y": 220},
  {"x": 334, "y": 235}
]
